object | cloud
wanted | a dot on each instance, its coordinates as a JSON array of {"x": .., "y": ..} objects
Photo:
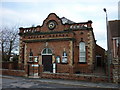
[{"x": 11, "y": 16}]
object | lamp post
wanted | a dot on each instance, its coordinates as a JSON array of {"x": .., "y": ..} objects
[{"x": 108, "y": 45}]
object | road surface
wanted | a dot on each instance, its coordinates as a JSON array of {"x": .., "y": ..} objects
[{"x": 21, "y": 82}]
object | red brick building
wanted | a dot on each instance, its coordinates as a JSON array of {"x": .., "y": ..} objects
[
  {"x": 70, "y": 45},
  {"x": 114, "y": 48}
]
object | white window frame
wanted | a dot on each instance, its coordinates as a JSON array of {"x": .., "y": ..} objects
[
  {"x": 64, "y": 58},
  {"x": 84, "y": 52}
]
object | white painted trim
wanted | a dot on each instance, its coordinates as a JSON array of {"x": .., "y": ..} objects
[
  {"x": 35, "y": 65},
  {"x": 46, "y": 53}
]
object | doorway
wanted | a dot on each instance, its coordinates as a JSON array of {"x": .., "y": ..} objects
[
  {"x": 47, "y": 63},
  {"x": 99, "y": 61},
  {"x": 47, "y": 60}
]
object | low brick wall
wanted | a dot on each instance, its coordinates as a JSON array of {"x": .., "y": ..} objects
[
  {"x": 75, "y": 77},
  {"x": 80, "y": 77},
  {"x": 12, "y": 65},
  {"x": 13, "y": 72},
  {"x": 61, "y": 70}
]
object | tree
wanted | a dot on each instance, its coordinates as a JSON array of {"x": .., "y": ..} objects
[{"x": 9, "y": 41}]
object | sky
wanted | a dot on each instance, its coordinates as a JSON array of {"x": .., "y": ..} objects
[{"x": 26, "y": 13}]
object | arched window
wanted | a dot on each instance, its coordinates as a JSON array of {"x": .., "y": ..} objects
[
  {"x": 31, "y": 55},
  {"x": 82, "y": 52},
  {"x": 47, "y": 51},
  {"x": 64, "y": 57}
]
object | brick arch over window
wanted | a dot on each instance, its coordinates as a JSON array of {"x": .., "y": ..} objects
[{"x": 46, "y": 51}]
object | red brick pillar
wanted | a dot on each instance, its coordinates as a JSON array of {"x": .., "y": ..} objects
[
  {"x": 70, "y": 70},
  {"x": 26, "y": 70},
  {"x": 40, "y": 70}
]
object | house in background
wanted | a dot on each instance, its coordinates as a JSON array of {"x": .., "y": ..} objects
[
  {"x": 114, "y": 47},
  {"x": 100, "y": 58},
  {"x": 59, "y": 46}
]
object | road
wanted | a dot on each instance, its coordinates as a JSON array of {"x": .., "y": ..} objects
[{"x": 21, "y": 82}]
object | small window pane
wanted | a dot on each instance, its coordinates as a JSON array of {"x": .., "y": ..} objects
[
  {"x": 30, "y": 58},
  {"x": 44, "y": 51},
  {"x": 82, "y": 47},
  {"x": 82, "y": 59},
  {"x": 36, "y": 59},
  {"x": 57, "y": 59},
  {"x": 64, "y": 60},
  {"x": 49, "y": 51},
  {"x": 31, "y": 53},
  {"x": 64, "y": 54},
  {"x": 82, "y": 54}
]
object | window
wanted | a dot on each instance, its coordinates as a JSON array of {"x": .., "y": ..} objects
[
  {"x": 35, "y": 58},
  {"x": 64, "y": 57},
  {"x": 58, "y": 59},
  {"x": 82, "y": 52},
  {"x": 31, "y": 56},
  {"x": 47, "y": 51}
]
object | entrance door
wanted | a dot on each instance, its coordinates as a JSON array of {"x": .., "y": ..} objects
[
  {"x": 99, "y": 61},
  {"x": 47, "y": 62}
]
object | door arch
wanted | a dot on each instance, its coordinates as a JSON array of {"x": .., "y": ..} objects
[
  {"x": 47, "y": 59},
  {"x": 46, "y": 51}
]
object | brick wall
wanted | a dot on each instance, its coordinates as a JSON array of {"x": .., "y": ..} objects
[
  {"x": 13, "y": 72},
  {"x": 62, "y": 68},
  {"x": 82, "y": 68},
  {"x": 75, "y": 77},
  {"x": 12, "y": 65}
]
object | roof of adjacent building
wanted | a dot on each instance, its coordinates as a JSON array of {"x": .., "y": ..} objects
[
  {"x": 114, "y": 27},
  {"x": 66, "y": 21}
]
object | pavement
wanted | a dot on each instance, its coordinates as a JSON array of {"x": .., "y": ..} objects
[{"x": 73, "y": 82}]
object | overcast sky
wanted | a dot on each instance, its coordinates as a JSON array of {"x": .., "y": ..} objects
[{"x": 32, "y": 12}]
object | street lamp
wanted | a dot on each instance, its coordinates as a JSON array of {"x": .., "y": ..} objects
[{"x": 108, "y": 45}]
